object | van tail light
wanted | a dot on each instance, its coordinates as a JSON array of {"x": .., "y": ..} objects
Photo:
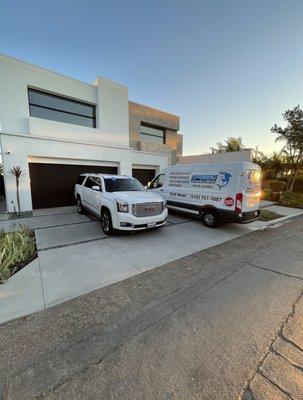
[{"x": 239, "y": 199}]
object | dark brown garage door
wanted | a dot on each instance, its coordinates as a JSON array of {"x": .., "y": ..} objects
[
  {"x": 53, "y": 185},
  {"x": 144, "y": 175}
]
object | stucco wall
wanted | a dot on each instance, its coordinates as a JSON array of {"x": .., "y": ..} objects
[
  {"x": 110, "y": 98},
  {"x": 22, "y": 149}
]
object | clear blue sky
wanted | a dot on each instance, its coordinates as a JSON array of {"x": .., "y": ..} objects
[{"x": 226, "y": 67}]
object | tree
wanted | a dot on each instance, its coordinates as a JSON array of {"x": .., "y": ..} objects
[
  {"x": 231, "y": 144},
  {"x": 292, "y": 136},
  {"x": 17, "y": 172}
]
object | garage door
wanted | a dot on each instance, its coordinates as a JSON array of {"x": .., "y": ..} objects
[
  {"x": 144, "y": 175},
  {"x": 52, "y": 185}
]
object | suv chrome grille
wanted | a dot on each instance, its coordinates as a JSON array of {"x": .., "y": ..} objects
[{"x": 147, "y": 209}]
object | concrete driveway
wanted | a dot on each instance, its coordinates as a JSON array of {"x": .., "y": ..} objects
[{"x": 75, "y": 257}]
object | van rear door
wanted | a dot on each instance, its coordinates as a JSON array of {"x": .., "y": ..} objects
[{"x": 251, "y": 188}]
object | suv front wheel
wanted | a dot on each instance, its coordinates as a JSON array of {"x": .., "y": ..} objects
[{"x": 106, "y": 222}]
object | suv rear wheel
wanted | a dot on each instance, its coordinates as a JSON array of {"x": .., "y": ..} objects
[
  {"x": 210, "y": 218},
  {"x": 106, "y": 222}
]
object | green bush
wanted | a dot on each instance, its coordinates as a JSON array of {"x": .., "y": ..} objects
[
  {"x": 291, "y": 199},
  {"x": 277, "y": 186},
  {"x": 16, "y": 250},
  {"x": 265, "y": 194},
  {"x": 298, "y": 186}
]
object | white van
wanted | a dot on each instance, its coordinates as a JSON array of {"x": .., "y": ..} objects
[{"x": 216, "y": 191}]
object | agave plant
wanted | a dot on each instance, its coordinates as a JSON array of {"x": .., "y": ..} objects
[{"x": 17, "y": 172}]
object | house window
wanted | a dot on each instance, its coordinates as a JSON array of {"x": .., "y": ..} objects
[
  {"x": 150, "y": 134},
  {"x": 56, "y": 108}
]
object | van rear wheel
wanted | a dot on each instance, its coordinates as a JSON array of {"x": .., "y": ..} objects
[{"x": 210, "y": 218}]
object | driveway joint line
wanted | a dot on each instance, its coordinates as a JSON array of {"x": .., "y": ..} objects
[
  {"x": 51, "y": 215},
  {"x": 41, "y": 280},
  {"x": 274, "y": 271},
  {"x": 126, "y": 259},
  {"x": 59, "y": 246},
  {"x": 58, "y": 226}
]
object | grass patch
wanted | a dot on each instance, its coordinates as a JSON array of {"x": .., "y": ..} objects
[
  {"x": 267, "y": 215},
  {"x": 17, "y": 249}
]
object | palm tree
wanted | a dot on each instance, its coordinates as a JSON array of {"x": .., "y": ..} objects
[
  {"x": 231, "y": 144},
  {"x": 292, "y": 136},
  {"x": 17, "y": 172}
]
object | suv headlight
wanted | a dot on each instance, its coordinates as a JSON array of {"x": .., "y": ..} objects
[{"x": 122, "y": 207}]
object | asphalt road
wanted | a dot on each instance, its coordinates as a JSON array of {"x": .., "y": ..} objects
[{"x": 196, "y": 328}]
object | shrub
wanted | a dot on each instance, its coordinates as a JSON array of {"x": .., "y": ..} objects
[
  {"x": 291, "y": 199},
  {"x": 265, "y": 193},
  {"x": 16, "y": 250}
]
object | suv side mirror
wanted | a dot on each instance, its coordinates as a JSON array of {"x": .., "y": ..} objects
[{"x": 96, "y": 187}]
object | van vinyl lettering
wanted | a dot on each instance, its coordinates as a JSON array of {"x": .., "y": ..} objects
[
  {"x": 183, "y": 195},
  {"x": 204, "y": 178}
]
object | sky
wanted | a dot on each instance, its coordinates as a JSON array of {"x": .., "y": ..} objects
[{"x": 227, "y": 68}]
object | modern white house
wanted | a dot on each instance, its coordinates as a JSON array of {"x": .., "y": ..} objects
[{"x": 56, "y": 127}]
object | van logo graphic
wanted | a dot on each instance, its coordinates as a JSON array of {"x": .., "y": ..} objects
[
  {"x": 149, "y": 208},
  {"x": 204, "y": 178},
  {"x": 223, "y": 179}
]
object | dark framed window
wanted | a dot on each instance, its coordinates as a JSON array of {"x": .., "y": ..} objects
[
  {"x": 62, "y": 109},
  {"x": 152, "y": 134}
]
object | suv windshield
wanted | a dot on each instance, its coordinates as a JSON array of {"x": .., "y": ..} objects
[{"x": 122, "y": 185}]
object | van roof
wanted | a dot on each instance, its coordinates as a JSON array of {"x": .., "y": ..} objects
[{"x": 216, "y": 165}]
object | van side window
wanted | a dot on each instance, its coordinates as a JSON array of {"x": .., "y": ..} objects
[{"x": 158, "y": 181}]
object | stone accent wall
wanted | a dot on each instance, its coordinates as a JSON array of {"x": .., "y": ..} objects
[{"x": 138, "y": 114}]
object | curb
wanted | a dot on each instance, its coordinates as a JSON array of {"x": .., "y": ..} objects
[{"x": 281, "y": 219}]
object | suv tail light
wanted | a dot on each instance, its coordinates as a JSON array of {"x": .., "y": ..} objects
[{"x": 239, "y": 198}]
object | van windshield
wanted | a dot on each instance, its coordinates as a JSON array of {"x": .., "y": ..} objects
[{"x": 122, "y": 185}]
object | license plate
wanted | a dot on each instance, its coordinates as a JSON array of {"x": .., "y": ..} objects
[{"x": 151, "y": 225}]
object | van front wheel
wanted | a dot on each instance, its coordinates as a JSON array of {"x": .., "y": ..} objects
[{"x": 210, "y": 218}]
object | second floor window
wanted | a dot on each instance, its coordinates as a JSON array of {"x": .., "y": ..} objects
[
  {"x": 150, "y": 134},
  {"x": 57, "y": 108}
]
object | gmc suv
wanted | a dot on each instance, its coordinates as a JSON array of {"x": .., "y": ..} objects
[{"x": 121, "y": 202}]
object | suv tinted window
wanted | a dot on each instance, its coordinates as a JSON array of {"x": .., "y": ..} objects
[
  {"x": 122, "y": 185},
  {"x": 89, "y": 183},
  {"x": 92, "y": 181},
  {"x": 80, "y": 179}
]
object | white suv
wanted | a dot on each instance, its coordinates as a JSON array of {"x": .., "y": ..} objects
[{"x": 121, "y": 202}]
